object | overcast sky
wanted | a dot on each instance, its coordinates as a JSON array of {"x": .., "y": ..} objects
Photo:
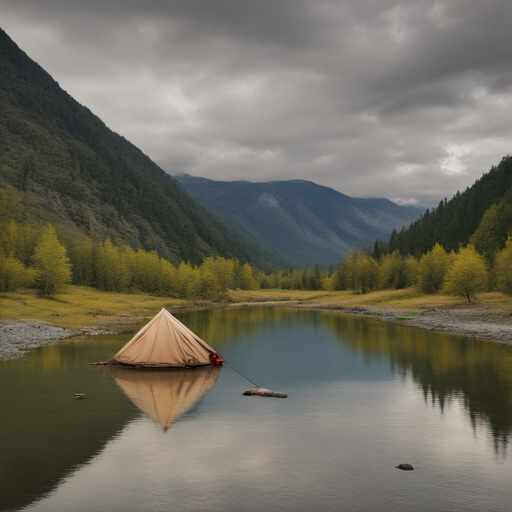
[{"x": 410, "y": 100}]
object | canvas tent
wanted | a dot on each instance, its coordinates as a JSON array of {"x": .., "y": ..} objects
[
  {"x": 164, "y": 396},
  {"x": 164, "y": 343}
]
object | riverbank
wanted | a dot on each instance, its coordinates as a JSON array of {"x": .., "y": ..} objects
[{"x": 28, "y": 321}]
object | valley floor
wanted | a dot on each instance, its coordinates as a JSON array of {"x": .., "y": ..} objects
[{"x": 28, "y": 321}]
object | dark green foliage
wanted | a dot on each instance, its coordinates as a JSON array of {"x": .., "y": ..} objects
[
  {"x": 75, "y": 172},
  {"x": 453, "y": 222},
  {"x": 493, "y": 230}
]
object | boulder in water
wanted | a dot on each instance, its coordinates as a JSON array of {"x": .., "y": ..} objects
[{"x": 406, "y": 467}]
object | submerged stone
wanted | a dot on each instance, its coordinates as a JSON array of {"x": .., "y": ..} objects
[{"x": 406, "y": 467}]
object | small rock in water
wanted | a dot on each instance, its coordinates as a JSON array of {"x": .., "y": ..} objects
[
  {"x": 79, "y": 395},
  {"x": 264, "y": 392},
  {"x": 406, "y": 467}
]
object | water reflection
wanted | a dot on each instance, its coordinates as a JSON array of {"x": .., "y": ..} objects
[
  {"x": 446, "y": 367},
  {"x": 44, "y": 432},
  {"x": 347, "y": 421},
  {"x": 164, "y": 395}
]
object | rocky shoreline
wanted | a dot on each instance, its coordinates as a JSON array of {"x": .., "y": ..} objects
[
  {"x": 481, "y": 322},
  {"x": 18, "y": 337},
  {"x": 473, "y": 321}
]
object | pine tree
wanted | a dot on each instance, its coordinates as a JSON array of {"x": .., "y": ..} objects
[
  {"x": 493, "y": 230},
  {"x": 52, "y": 264}
]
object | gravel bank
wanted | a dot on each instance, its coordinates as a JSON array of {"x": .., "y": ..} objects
[
  {"x": 473, "y": 321},
  {"x": 18, "y": 337}
]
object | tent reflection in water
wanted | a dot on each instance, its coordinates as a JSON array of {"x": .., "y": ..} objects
[
  {"x": 165, "y": 395},
  {"x": 166, "y": 343}
]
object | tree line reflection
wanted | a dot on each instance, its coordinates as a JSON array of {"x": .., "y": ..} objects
[{"x": 445, "y": 367}]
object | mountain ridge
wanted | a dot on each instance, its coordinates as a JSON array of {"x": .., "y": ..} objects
[{"x": 301, "y": 220}]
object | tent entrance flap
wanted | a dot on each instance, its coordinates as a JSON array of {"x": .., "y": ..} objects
[{"x": 164, "y": 342}]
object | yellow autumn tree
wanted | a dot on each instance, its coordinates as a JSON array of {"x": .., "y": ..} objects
[
  {"x": 109, "y": 270},
  {"x": 52, "y": 264},
  {"x": 367, "y": 273},
  {"x": 468, "y": 275},
  {"x": 392, "y": 271},
  {"x": 146, "y": 272},
  {"x": 188, "y": 281},
  {"x": 503, "y": 269},
  {"x": 410, "y": 270},
  {"x": 14, "y": 275},
  {"x": 82, "y": 256},
  {"x": 432, "y": 270},
  {"x": 167, "y": 279},
  {"x": 211, "y": 286},
  {"x": 247, "y": 281}
]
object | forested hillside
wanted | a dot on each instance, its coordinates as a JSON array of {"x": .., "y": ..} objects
[
  {"x": 71, "y": 170},
  {"x": 462, "y": 247},
  {"x": 481, "y": 214},
  {"x": 299, "y": 220}
]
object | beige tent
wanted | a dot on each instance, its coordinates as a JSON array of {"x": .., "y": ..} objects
[
  {"x": 164, "y": 396},
  {"x": 164, "y": 342}
]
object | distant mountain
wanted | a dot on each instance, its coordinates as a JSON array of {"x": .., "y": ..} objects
[
  {"x": 299, "y": 220},
  {"x": 76, "y": 173}
]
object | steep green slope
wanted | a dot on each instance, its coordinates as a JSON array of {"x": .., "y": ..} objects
[
  {"x": 75, "y": 172},
  {"x": 453, "y": 222},
  {"x": 299, "y": 220}
]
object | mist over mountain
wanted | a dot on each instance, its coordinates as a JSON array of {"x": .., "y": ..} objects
[{"x": 303, "y": 222}]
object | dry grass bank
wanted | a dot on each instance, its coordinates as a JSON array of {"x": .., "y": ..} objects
[
  {"x": 90, "y": 310},
  {"x": 83, "y": 308},
  {"x": 408, "y": 299}
]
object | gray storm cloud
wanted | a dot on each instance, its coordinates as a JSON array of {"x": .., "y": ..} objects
[{"x": 409, "y": 100}]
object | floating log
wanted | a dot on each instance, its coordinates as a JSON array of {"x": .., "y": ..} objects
[{"x": 264, "y": 392}]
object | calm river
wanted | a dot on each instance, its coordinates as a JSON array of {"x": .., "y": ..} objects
[{"x": 364, "y": 396}]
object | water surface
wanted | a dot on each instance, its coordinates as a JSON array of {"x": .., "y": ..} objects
[{"x": 364, "y": 396}]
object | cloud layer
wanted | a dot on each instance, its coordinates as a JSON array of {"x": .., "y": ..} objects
[{"x": 410, "y": 100}]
